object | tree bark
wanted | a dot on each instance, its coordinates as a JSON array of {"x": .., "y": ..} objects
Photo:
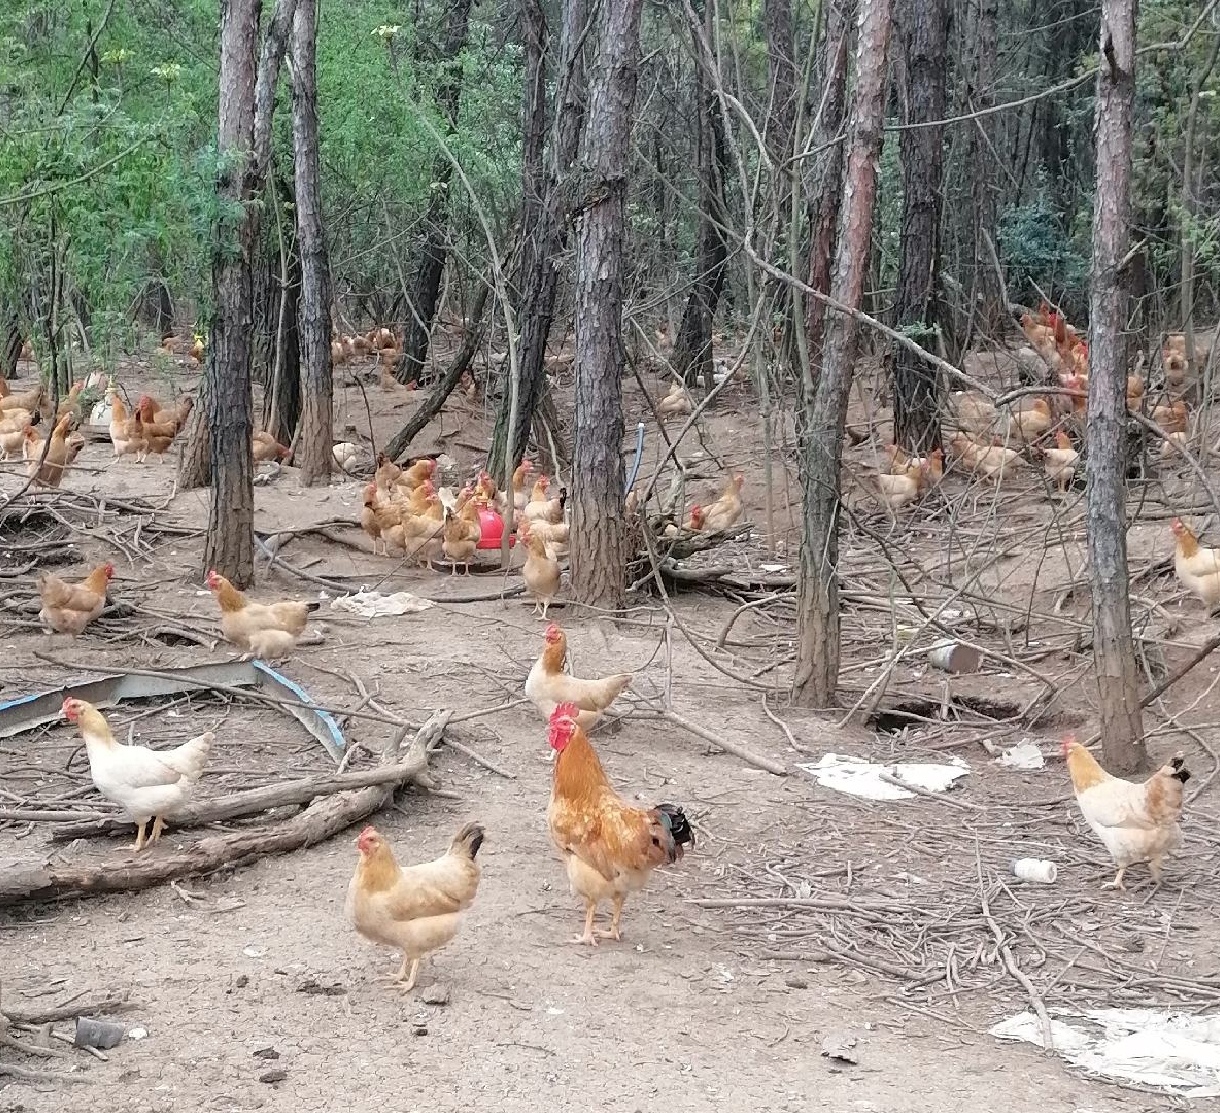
[
  {"x": 10, "y": 343},
  {"x": 540, "y": 281},
  {"x": 923, "y": 27},
  {"x": 230, "y": 540},
  {"x": 1105, "y": 437},
  {"x": 825, "y": 179},
  {"x": 194, "y": 466},
  {"x": 598, "y": 524},
  {"x": 312, "y": 443},
  {"x": 821, "y": 433},
  {"x": 424, "y": 291},
  {"x": 692, "y": 353}
]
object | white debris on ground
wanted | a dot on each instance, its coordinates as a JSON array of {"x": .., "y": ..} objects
[
  {"x": 1171, "y": 1052},
  {"x": 1024, "y": 755},
  {"x": 373, "y": 604},
  {"x": 883, "y": 782}
]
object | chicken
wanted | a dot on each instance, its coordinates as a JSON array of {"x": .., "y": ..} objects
[
  {"x": 197, "y": 348},
  {"x": 1030, "y": 423},
  {"x": 1173, "y": 445},
  {"x": 1135, "y": 393},
  {"x": 677, "y": 403},
  {"x": 726, "y": 511},
  {"x": 50, "y": 470},
  {"x": 541, "y": 572},
  {"x": 1173, "y": 359},
  {"x": 157, "y": 435},
  {"x": 387, "y": 472},
  {"x": 1060, "y": 461},
  {"x": 371, "y": 520},
  {"x": 70, "y": 403},
  {"x": 31, "y": 400},
  {"x": 1198, "y": 568},
  {"x": 175, "y": 415},
  {"x": 988, "y": 460},
  {"x": 555, "y": 536},
  {"x": 973, "y": 412},
  {"x": 147, "y": 784},
  {"x": 521, "y": 475},
  {"x": 609, "y": 848},
  {"x": 547, "y": 685},
  {"x": 338, "y": 353},
  {"x": 69, "y": 608},
  {"x": 125, "y": 432},
  {"x": 1137, "y": 822},
  {"x": 417, "y": 474},
  {"x": 462, "y": 531},
  {"x": 897, "y": 491},
  {"x": 694, "y": 521},
  {"x": 264, "y": 631},
  {"x": 266, "y": 447},
  {"x": 541, "y": 507},
  {"x": 13, "y": 424},
  {"x": 418, "y": 909},
  {"x": 1173, "y": 417}
]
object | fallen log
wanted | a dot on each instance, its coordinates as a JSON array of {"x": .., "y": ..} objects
[
  {"x": 317, "y": 823},
  {"x": 82, "y": 1006},
  {"x": 250, "y": 802}
]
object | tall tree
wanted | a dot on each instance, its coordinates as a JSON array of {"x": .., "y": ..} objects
[
  {"x": 539, "y": 277},
  {"x": 923, "y": 27},
  {"x": 230, "y": 539},
  {"x": 1105, "y": 437},
  {"x": 692, "y": 354},
  {"x": 194, "y": 466},
  {"x": 423, "y": 293},
  {"x": 821, "y": 431},
  {"x": 598, "y": 524},
  {"x": 827, "y": 172},
  {"x": 312, "y": 444}
]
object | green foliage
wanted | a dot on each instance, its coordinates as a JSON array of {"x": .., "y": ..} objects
[{"x": 1038, "y": 250}]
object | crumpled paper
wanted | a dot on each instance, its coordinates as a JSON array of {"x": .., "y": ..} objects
[
  {"x": 373, "y": 604},
  {"x": 1024, "y": 755},
  {"x": 1172, "y": 1052},
  {"x": 864, "y": 779}
]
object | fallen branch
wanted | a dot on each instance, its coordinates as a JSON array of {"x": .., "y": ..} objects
[
  {"x": 252, "y": 801},
  {"x": 748, "y": 756},
  {"x": 88, "y": 1006},
  {"x": 317, "y": 823}
]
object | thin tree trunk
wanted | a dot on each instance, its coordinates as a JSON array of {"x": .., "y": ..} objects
[
  {"x": 1105, "y": 437},
  {"x": 821, "y": 433},
  {"x": 924, "y": 37},
  {"x": 692, "y": 353},
  {"x": 194, "y": 466},
  {"x": 540, "y": 281},
  {"x": 424, "y": 290},
  {"x": 230, "y": 539},
  {"x": 10, "y": 343},
  {"x": 597, "y": 471},
  {"x": 825, "y": 183},
  {"x": 312, "y": 443}
]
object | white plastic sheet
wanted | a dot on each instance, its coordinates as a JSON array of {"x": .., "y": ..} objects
[
  {"x": 373, "y": 604},
  {"x": 861, "y": 778},
  {"x": 1172, "y": 1052}
]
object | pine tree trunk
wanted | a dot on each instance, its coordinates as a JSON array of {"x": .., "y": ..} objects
[
  {"x": 923, "y": 35},
  {"x": 825, "y": 178},
  {"x": 423, "y": 293},
  {"x": 597, "y": 473},
  {"x": 1105, "y": 466},
  {"x": 540, "y": 278},
  {"x": 821, "y": 433},
  {"x": 692, "y": 354},
  {"x": 312, "y": 444},
  {"x": 10, "y": 343},
  {"x": 230, "y": 539}
]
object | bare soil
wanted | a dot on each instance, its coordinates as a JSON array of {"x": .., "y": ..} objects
[{"x": 254, "y": 970}]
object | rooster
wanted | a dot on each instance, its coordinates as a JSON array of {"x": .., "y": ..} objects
[
  {"x": 608, "y": 847},
  {"x": 1137, "y": 822}
]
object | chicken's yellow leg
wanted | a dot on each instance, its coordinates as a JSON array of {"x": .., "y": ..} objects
[
  {"x": 139, "y": 845},
  {"x": 614, "y": 932},
  {"x": 409, "y": 984},
  {"x": 158, "y": 828},
  {"x": 1117, "y": 883},
  {"x": 589, "y": 936}
]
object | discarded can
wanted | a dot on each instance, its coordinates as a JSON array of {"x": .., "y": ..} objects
[
  {"x": 951, "y": 656},
  {"x": 1035, "y": 869},
  {"x": 102, "y": 1034}
]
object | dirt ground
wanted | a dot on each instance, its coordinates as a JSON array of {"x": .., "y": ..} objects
[{"x": 885, "y": 920}]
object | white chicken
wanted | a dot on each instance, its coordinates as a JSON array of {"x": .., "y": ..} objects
[{"x": 147, "y": 784}]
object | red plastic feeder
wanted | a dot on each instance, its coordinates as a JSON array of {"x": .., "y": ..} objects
[{"x": 492, "y": 525}]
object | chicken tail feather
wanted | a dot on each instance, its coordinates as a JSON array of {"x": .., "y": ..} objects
[
  {"x": 1178, "y": 764},
  {"x": 675, "y": 821},
  {"x": 467, "y": 841}
]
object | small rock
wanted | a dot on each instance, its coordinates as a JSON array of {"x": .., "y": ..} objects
[
  {"x": 312, "y": 985},
  {"x": 839, "y": 1045},
  {"x": 266, "y": 1053},
  {"x": 242, "y": 981},
  {"x": 273, "y": 1076},
  {"x": 796, "y": 983},
  {"x": 419, "y": 1029},
  {"x": 435, "y": 995}
]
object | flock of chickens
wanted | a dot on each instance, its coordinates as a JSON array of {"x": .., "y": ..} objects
[
  {"x": 991, "y": 443},
  {"x": 609, "y": 848}
]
